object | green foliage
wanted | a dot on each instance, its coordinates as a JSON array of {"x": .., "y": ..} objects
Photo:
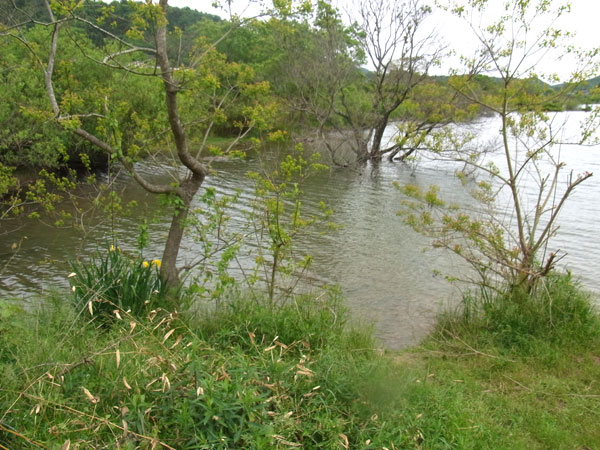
[
  {"x": 253, "y": 44},
  {"x": 7, "y": 181},
  {"x": 113, "y": 282},
  {"x": 10, "y": 201},
  {"x": 222, "y": 98},
  {"x": 247, "y": 376},
  {"x": 557, "y": 313},
  {"x": 277, "y": 212},
  {"x": 28, "y": 138},
  {"x": 218, "y": 248},
  {"x": 527, "y": 94},
  {"x": 114, "y": 105},
  {"x": 116, "y": 17}
]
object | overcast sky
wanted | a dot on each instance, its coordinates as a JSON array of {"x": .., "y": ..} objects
[{"x": 583, "y": 21}]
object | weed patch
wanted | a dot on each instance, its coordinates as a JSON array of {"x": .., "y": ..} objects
[
  {"x": 254, "y": 374},
  {"x": 250, "y": 375}
]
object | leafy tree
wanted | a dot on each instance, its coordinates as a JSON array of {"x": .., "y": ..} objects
[
  {"x": 323, "y": 80},
  {"x": 424, "y": 117},
  {"x": 523, "y": 191},
  {"x": 392, "y": 36},
  {"x": 319, "y": 59},
  {"x": 102, "y": 109}
]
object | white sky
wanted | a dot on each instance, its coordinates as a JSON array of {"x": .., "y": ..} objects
[{"x": 583, "y": 21}]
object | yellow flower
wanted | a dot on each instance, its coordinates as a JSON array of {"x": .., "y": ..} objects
[
  {"x": 156, "y": 262},
  {"x": 112, "y": 248},
  {"x": 145, "y": 264}
]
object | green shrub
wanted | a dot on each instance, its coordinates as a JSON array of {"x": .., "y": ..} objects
[
  {"x": 112, "y": 281},
  {"x": 558, "y": 312}
]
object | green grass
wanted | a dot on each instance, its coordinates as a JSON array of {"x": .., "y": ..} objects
[
  {"x": 459, "y": 398},
  {"x": 511, "y": 374},
  {"x": 247, "y": 376}
]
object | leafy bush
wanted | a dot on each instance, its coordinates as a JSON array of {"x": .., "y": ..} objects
[
  {"x": 112, "y": 281},
  {"x": 557, "y": 312}
]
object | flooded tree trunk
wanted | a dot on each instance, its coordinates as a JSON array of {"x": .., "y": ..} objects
[{"x": 375, "y": 153}]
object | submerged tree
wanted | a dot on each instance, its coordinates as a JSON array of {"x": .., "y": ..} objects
[
  {"x": 208, "y": 93},
  {"x": 402, "y": 52},
  {"x": 520, "y": 180},
  {"x": 323, "y": 80}
]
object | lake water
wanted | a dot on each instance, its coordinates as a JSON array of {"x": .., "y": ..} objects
[{"x": 388, "y": 273}]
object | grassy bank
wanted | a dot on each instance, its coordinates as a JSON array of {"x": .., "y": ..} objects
[{"x": 509, "y": 374}]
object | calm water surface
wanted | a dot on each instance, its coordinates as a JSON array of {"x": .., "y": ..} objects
[{"x": 386, "y": 271}]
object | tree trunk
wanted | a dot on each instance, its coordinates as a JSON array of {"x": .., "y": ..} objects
[
  {"x": 377, "y": 138},
  {"x": 168, "y": 269},
  {"x": 362, "y": 152},
  {"x": 362, "y": 145},
  {"x": 376, "y": 151},
  {"x": 197, "y": 172}
]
